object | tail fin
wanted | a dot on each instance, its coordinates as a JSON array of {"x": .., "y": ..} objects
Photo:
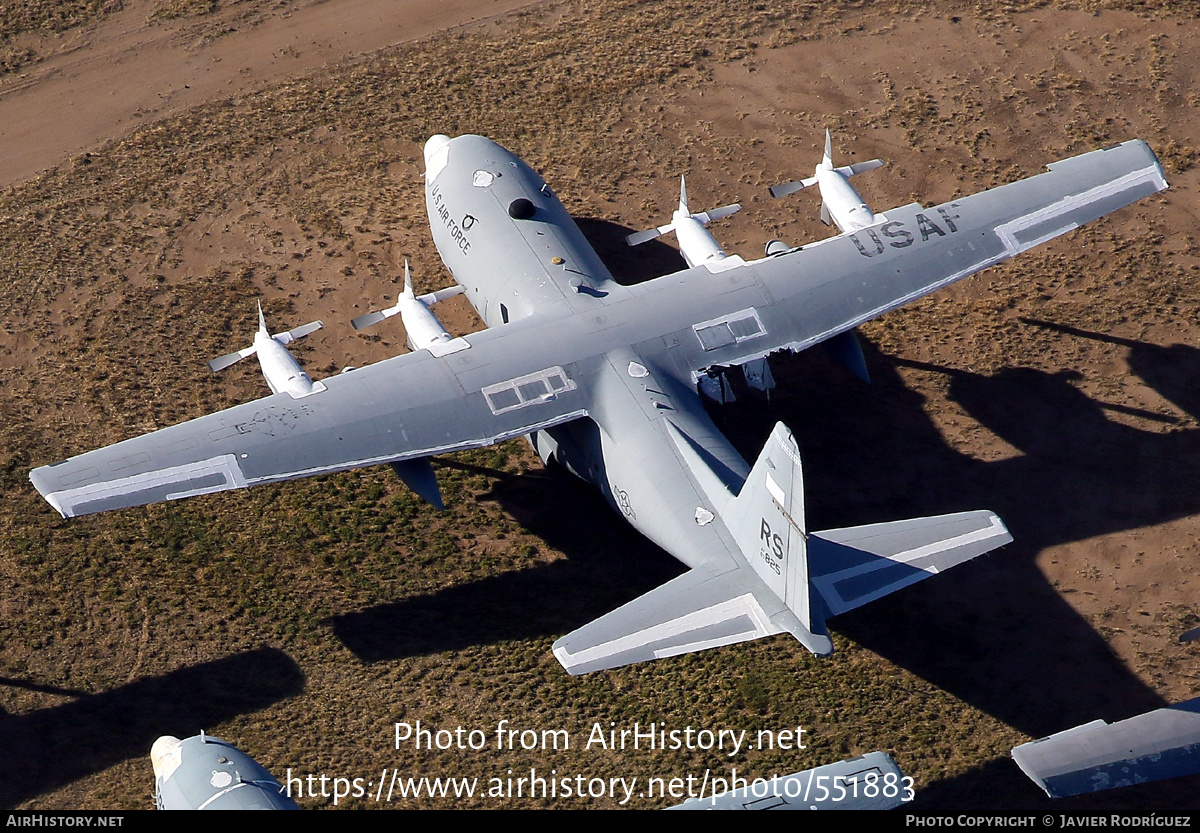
[
  {"x": 786, "y": 578},
  {"x": 821, "y": 574},
  {"x": 767, "y": 521}
]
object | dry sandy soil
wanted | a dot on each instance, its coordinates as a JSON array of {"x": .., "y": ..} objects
[{"x": 167, "y": 164}]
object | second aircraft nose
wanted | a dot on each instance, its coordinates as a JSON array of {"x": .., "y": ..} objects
[{"x": 435, "y": 143}]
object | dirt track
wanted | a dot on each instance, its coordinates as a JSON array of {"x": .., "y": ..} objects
[{"x": 99, "y": 82}]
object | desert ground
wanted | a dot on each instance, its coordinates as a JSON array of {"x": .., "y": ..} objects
[{"x": 167, "y": 163}]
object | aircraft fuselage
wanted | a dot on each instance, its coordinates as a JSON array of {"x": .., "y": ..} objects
[
  {"x": 519, "y": 259},
  {"x": 504, "y": 235}
]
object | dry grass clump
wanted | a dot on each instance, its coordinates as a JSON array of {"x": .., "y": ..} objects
[{"x": 176, "y": 9}]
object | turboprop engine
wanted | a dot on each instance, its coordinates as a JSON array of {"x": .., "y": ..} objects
[
  {"x": 423, "y": 331},
  {"x": 421, "y": 326},
  {"x": 279, "y": 368},
  {"x": 695, "y": 243},
  {"x": 840, "y": 203}
]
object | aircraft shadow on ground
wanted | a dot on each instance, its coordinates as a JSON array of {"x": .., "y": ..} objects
[
  {"x": 607, "y": 564},
  {"x": 629, "y": 264},
  {"x": 993, "y": 632},
  {"x": 49, "y": 748}
]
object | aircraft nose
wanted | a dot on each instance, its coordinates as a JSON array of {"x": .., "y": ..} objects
[
  {"x": 435, "y": 143},
  {"x": 164, "y": 756}
]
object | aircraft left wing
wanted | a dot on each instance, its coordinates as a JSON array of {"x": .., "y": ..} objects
[{"x": 802, "y": 297}]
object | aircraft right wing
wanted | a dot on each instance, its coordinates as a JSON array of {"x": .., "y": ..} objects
[{"x": 405, "y": 408}]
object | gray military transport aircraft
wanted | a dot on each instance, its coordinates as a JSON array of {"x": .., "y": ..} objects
[
  {"x": 206, "y": 773},
  {"x": 603, "y": 379}
]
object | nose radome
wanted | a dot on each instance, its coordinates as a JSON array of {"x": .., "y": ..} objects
[{"x": 435, "y": 143}]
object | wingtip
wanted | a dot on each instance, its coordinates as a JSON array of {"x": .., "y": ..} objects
[
  {"x": 564, "y": 659},
  {"x": 50, "y": 497}
]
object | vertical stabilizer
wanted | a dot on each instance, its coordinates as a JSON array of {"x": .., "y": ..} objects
[{"x": 766, "y": 520}]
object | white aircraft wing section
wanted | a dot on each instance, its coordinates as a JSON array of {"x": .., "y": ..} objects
[
  {"x": 1164, "y": 743},
  {"x": 854, "y": 566},
  {"x": 697, "y": 610},
  {"x": 867, "y": 782}
]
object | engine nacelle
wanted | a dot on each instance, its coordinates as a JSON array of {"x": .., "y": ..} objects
[{"x": 421, "y": 326}]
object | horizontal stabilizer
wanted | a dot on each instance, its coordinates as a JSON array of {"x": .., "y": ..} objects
[
  {"x": 695, "y": 611},
  {"x": 853, "y": 566}
]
